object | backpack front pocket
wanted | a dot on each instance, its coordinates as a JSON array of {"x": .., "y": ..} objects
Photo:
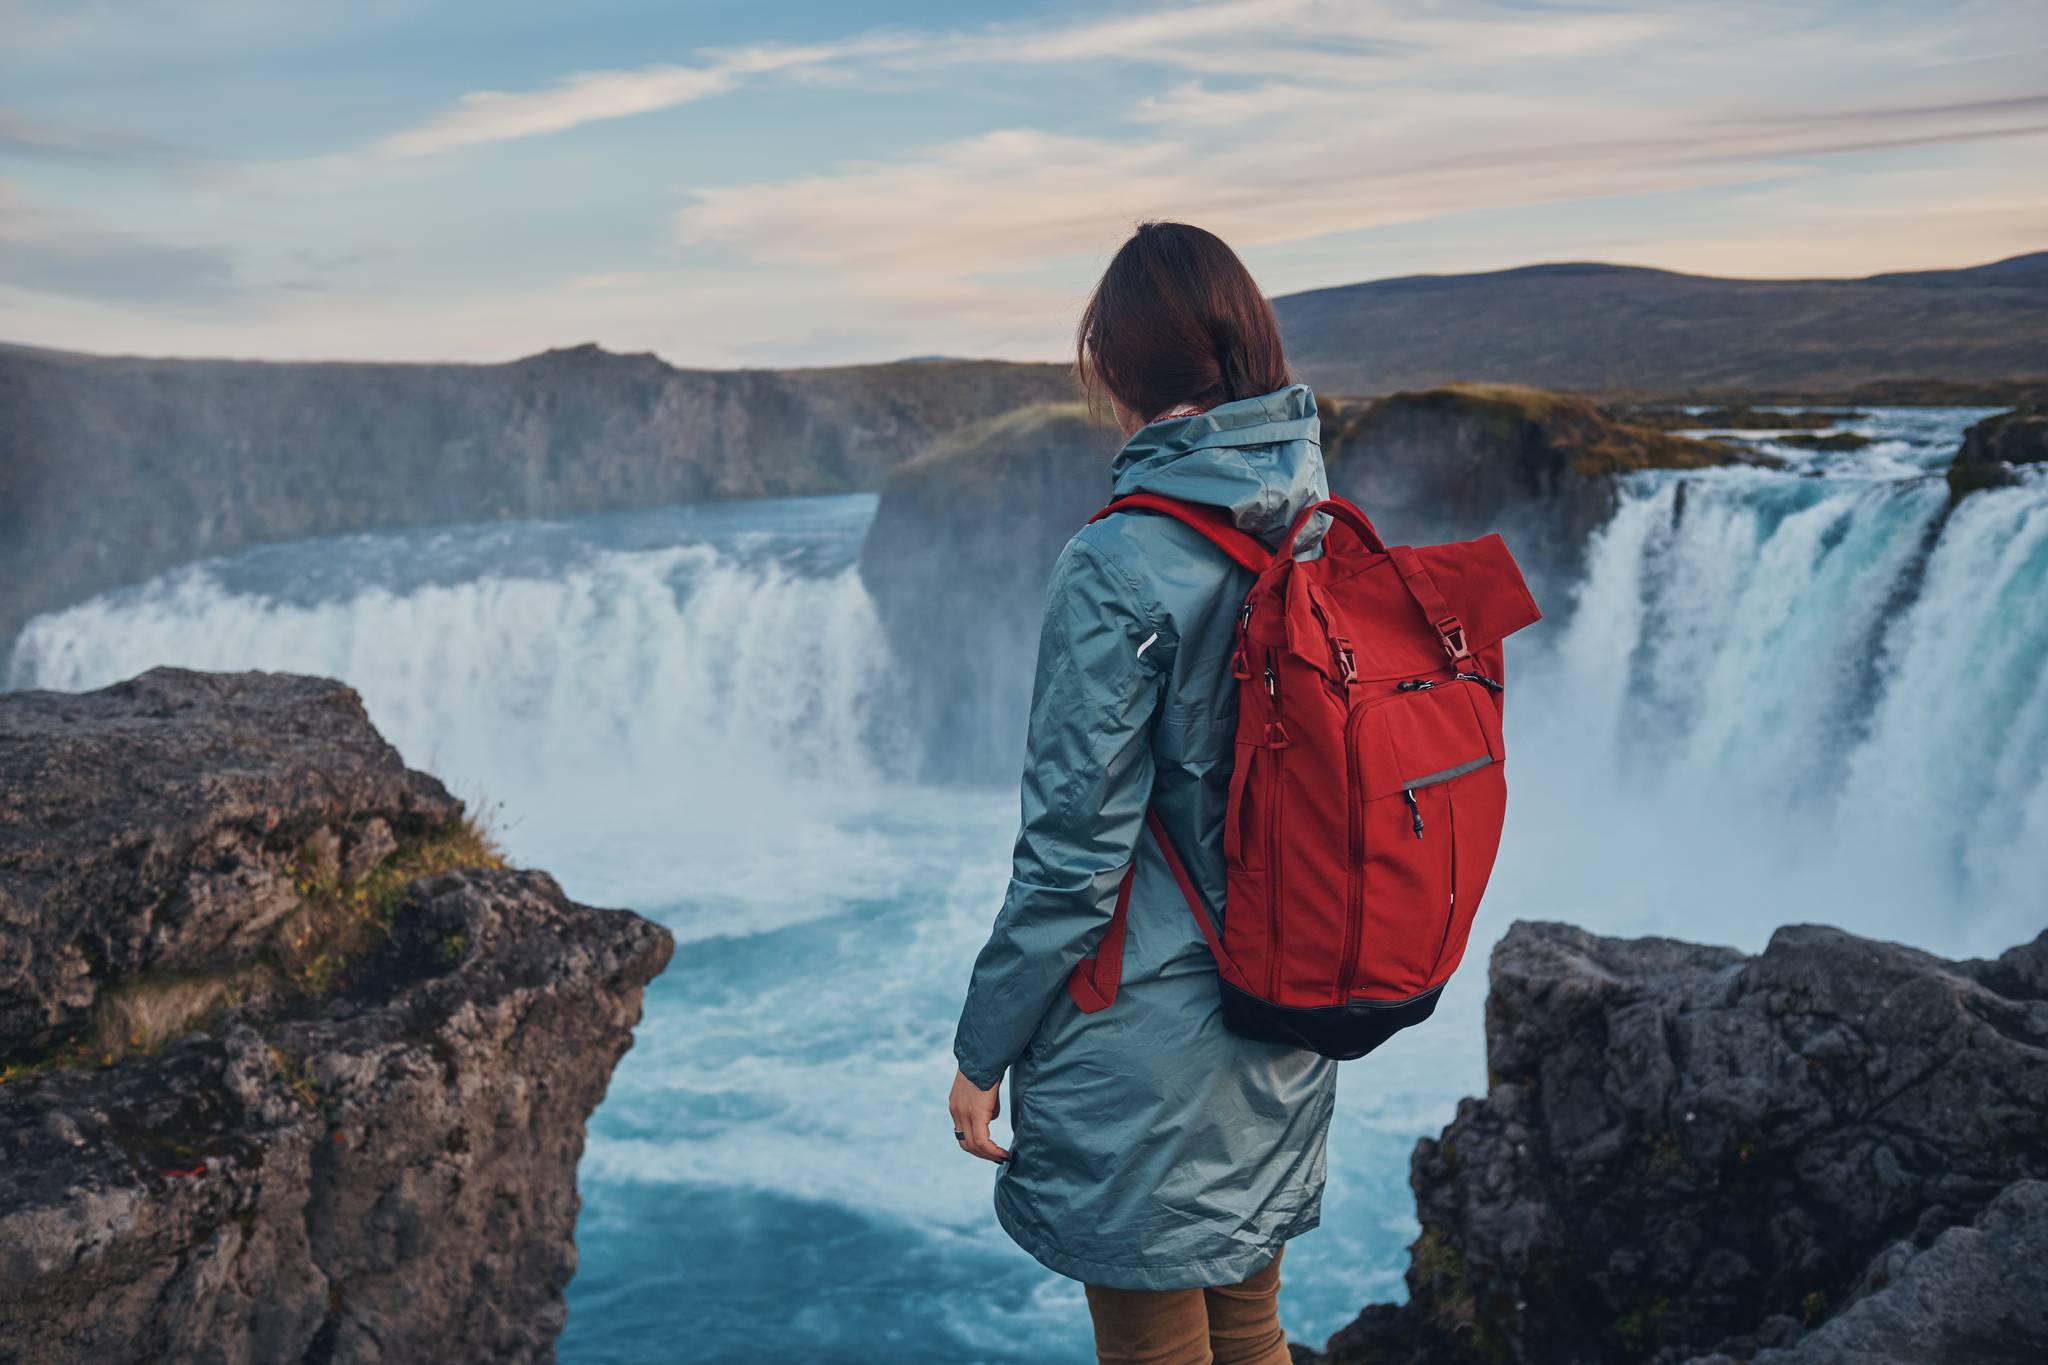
[{"x": 1427, "y": 792}]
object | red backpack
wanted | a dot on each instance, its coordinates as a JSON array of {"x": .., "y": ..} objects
[{"x": 1368, "y": 793}]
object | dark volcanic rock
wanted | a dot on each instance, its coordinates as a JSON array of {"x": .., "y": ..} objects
[
  {"x": 1978, "y": 1295},
  {"x": 116, "y": 468},
  {"x": 1991, "y": 448},
  {"x": 1685, "y": 1150},
  {"x": 2016, "y": 437},
  {"x": 1834, "y": 442},
  {"x": 1965, "y": 479},
  {"x": 380, "y": 1170},
  {"x": 957, "y": 560}
]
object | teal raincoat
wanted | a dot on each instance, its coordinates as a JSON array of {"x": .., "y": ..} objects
[{"x": 1151, "y": 1148}]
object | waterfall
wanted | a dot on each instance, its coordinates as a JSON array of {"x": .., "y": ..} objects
[
  {"x": 1815, "y": 693},
  {"x": 1788, "y": 698},
  {"x": 632, "y": 710}
]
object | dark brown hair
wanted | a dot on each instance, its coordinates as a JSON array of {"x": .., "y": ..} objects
[{"x": 1177, "y": 319}]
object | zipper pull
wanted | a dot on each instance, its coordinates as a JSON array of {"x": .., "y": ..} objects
[
  {"x": 1240, "y": 664},
  {"x": 1416, "y": 685},
  {"x": 1272, "y": 680},
  {"x": 1413, "y": 809},
  {"x": 1481, "y": 679}
]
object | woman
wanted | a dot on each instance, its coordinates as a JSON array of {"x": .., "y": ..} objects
[{"x": 1158, "y": 1158}]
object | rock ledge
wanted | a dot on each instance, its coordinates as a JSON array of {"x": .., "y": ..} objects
[
  {"x": 375, "y": 1163},
  {"x": 1833, "y": 1151}
]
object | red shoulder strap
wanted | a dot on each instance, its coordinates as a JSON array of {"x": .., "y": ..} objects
[
  {"x": 1212, "y": 522},
  {"x": 1093, "y": 984}
]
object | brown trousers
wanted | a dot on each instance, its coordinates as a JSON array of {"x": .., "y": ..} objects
[{"x": 1233, "y": 1324}]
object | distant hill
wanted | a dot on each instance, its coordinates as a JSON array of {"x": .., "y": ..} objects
[{"x": 1625, "y": 330}]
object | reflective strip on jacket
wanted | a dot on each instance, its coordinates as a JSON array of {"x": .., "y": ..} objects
[{"x": 1152, "y": 1148}]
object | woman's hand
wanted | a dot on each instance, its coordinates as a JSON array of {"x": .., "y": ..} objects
[{"x": 973, "y": 1110}]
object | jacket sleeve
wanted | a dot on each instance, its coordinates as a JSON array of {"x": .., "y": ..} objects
[{"x": 1102, "y": 657}]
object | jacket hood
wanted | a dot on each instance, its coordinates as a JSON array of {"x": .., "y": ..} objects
[{"x": 1259, "y": 458}]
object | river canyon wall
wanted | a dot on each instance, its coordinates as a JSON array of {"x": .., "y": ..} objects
[{"x": 115, "y": 468}]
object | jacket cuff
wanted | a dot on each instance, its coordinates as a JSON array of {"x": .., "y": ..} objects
[{"x": 973, "y": 1070}]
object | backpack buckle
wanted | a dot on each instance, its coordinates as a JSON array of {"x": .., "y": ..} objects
[
  {"x": 1347, "y": 662},
  {"x": 1452, "y": 632}
]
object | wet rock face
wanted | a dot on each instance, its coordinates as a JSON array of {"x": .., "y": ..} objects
[
  {"x": 380, "y": 1169},
  {"x": 1994, "y": 447},
  {"x": 2016, "y": 437},
  {"x": 1685, "y": 1150}
]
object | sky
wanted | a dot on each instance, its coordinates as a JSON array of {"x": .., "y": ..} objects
[{"x": 762, "y": 183}]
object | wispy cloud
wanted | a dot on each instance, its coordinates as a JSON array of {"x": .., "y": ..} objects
[
  {"x": 1307, "y": 38},
  {"x": 42, "y": 139},
  {"x": 50, "y": 251},
  {"x": 483, "y": 116},
  {"x": 1274, "y": 163},
  {"x": 1329, "y": 139}
]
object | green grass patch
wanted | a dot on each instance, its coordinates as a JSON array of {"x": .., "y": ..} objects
[{"x": 338, "y": 922}]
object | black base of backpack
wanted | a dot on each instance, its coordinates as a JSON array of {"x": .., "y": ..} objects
[{"x": 1345, "y": 1032}]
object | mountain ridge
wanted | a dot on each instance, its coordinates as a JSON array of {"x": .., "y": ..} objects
[{"x": 1593, "y": 327}]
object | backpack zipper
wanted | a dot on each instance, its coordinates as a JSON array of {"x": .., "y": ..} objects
[
  {"x": 1273, "y": 884},
  {"x": 1425, "y": 684},
  {"x": 1354, "y": 898}
]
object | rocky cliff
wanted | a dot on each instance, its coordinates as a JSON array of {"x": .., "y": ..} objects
[
  {"x": 1831, "y": 1152},
  {"x": 966, "y": 535},
  {"x": 112, "y": 468},
  {"x": 1458, "y": 461},
  {"x": 292, "y": 1067},
  {"x": 1993, "y": 449}
]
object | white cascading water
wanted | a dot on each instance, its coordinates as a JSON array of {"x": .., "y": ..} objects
[
  {"x": 1784, "y": 698},
  {"x": 1803, "y": 695},
  {"x": 659, "y": 704}
]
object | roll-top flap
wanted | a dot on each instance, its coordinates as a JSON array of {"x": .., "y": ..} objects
[
  {"x": 1363, "y": 600},
  {"x": 1484, "y": 585}
]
